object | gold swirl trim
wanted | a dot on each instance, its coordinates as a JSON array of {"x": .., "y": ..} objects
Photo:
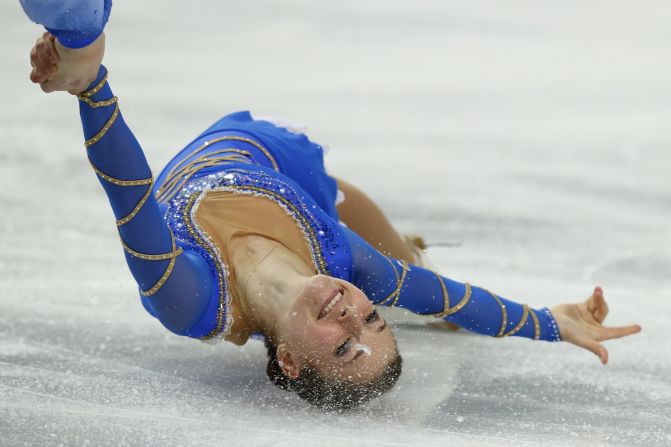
[
  {"x": 91, "y": 141},
  {"x": 504, "y": 314},
  {"x": 462, "y": 303},
  {"x": 137, "y": 208},
  {"x": 149, "y": 257},
  {"x": 173, "y": 184},
  {"x": 95, "y": 104},
  {"x": 208, "y": 143},
  {"x": 446, "y": 298},
  {"x": 119, "y": 182},
  {"x": 522, "y": 322},
  {"x": 96, "y": 88},
  {"x": 166, "y": 274},
  {"x": 397, "y": 292}
]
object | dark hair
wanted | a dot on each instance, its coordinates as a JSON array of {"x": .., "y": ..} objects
[{"x": 328, "y": 393}]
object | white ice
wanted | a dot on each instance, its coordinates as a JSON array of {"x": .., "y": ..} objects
[
  {"x": 363, "y": 347},
  {"x": 531, "y": 138}
]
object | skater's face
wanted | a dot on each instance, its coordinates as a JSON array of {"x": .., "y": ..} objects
[{"x": 335, "y": 329}]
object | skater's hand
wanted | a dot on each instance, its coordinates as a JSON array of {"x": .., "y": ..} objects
[
  {"x": 581, "y": 324},
  {"x": 58, "y": 68}
]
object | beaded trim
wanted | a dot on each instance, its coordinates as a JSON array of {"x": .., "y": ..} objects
[
  {"x": 311, "y": 237},
  {"x": 204, "y": 241},
  {"x": 120, "y": 182},
  {"x": 467, "y": 296},
  {"x": 504, "y": 314},
  {"x": 95, "y": 104},
  {"x": 522, "y": 322},
  {"x": 91, "y": 141},
  {"x": 397, "y": 292},
  {"x": 137, "y": 208},
  {"x": 446, "y": 297},
  {"x": 149, "y": 257},
  {"x": 166, "y": 274},
  {"x": 96, "y": 88},
  {"x": 447, "y": 311}
]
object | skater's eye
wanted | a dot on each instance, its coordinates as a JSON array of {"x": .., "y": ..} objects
[
  {"x": 374, "y": 316},
  {"x": 344, "y": 348}
]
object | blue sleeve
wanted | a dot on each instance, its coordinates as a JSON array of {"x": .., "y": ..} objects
[
  {"x": 75, "y": 23},
  {"x": 387, "y": 281},
  {"x": 175, "y": 283}
]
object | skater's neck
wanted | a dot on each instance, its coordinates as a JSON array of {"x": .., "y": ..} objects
[{"x": 269, "y": 279}]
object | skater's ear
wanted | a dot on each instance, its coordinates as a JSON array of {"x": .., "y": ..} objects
[{"x": 290, "y": 364}]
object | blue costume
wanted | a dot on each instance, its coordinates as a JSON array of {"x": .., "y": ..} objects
[{"x": 182, "y": 278}]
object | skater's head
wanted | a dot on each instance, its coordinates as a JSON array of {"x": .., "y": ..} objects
[{"x": 333, "y": 348}]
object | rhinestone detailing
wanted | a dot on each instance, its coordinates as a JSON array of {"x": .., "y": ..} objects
[
  {"x": 552, "y": 325},
  {"x": 537, "y": 326},
  {"x": 220, "y": 272},
  {"x": 173, "y": 184},
  {"x": 327, "y": 245},
  {"x": 181, "y": 165}
]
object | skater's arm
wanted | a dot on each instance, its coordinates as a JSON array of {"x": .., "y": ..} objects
[
  {"x": 175, "y": 283},
  {"x": 391, "y": 282}
]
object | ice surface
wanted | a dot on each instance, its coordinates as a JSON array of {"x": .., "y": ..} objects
[{"x": 533, "y": 135}]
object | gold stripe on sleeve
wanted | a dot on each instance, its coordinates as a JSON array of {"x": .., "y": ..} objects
[
  {"x": 399, "y": 283},
  {"x": 504, "y": 314},
  {"x": 137, "y": 208},
  {"x": 119, "y": 182},
  {"x": 95, "y": 104},
  {"x": 93, "y": 140},
  {"x": 522, "y": 322},
  {"x": 148, "y": 257},
  {"x": 96, "y": 88},
  {"x": 166, "y": 274}
]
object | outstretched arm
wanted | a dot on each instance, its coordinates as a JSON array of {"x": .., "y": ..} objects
[
  {"x": 391, "y": 282},
  {"x": 175, "y": 283}
]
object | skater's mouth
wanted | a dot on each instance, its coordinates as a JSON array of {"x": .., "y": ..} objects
[{"x": 330, "y": 302}]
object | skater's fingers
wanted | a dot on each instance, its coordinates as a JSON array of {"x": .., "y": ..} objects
[
  {"x": 48, "y": 86},
  {"x": 33, "y": 56},
  {"x": 595, "y": 347},
  {"x": 609, "y": 333},
  {"x": 44, "y": 57},
  {"x": 597, "y": 306},
  {"x": 36, "y": 76},
  {"x": 600, "y": 306}
]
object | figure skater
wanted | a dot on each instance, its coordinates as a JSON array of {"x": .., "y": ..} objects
[{"x": 240, "y": 235}]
